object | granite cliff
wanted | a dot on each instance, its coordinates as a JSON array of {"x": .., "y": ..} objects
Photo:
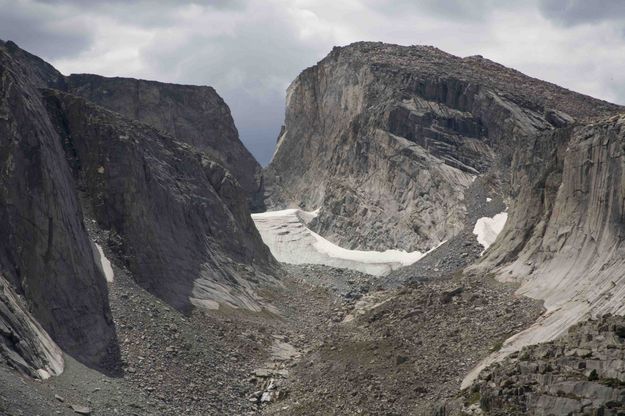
[
  {"x": 393, "y": 145},
  {"x": 384, "y": 147},
  {"x": 176, "y": 217},
  {"x": 385, "y": 139},
  {"x": 46, "y": 258},
  {"x": 563, "y": 238},
  {"x": 196, "y": 115}
]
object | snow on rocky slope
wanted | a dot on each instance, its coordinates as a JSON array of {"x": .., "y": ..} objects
[
  {"x": 387, "y": 139},
  {"x": 488, "y": 228},
  {"x": 290, "y": 240},
  {"x": 567, "y": 230}
]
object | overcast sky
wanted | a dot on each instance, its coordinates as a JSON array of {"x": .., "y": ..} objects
[{"x": 250, "y": 50}]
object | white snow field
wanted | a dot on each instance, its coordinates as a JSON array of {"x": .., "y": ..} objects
[
  {"x": 488, "y": 228},
  {"x": 105, "y": 265},
  {"x": 290, "y": 240}
]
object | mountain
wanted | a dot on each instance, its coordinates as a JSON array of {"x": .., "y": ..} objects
[
  {"x": 45, "y": 253},
  {"x": 196, "y": 115},
  {"x": 563, "y": 240},
  {"x": 172, "y": 213},
  {"x": 465, "y": 222},
  {"x": 386, "y": 139},
  {"x": 411, "y": 148}
]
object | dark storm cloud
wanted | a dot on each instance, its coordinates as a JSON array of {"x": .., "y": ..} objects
[
  {"x": 473, "y": 10},
  {"x": 573, "y": 12},
  {"x": 250, "y": 50},
  {"x": 42, "y": 31},
  {"x": 145, "y": 13}
]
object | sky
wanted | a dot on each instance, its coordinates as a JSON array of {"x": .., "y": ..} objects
[{"x": 251, "y": 50}]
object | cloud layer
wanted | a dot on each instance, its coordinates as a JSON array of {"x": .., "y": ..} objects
[{"x": 250, "y": 50}]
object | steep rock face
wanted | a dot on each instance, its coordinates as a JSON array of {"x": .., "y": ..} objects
[
  {"x": 176, "y": 217},
  {"x": 24, "y": 344},
  {"x": 564, "y": 238},
  {"x": 45, "y": 253},
  {"x": 192, "y": 114},
  {"x": 179, "y": 219},
  {"x": 385, "y": 139}
]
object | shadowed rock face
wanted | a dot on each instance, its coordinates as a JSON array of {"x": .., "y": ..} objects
[
  {"x": 196, "y": 115},
  {"x": 176, "y": 217},
  {"x": 386, "y": 139},
  {"x": 24, "y": 344},
  {"x": 45, "y": 253},
  {"x": 182, "y": 221}
]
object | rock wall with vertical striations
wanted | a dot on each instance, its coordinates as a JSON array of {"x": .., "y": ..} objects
[
  {"x": 177, "y": 217},
  {"x": 563, "y": 241},
  {"x": 45, "y": 253},
  {"x": 385, "y": 139}
]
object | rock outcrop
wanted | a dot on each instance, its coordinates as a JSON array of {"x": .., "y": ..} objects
[
  {"x": 196, "y": 115},
  {"x": 45, "y": 253},
  {"x": 385, "y": 139},
  {"x": 581, "y": 373},
  {"x": 176, "y": 217},
  {"x": 564, "y": 238},
  {"x": 24, "y": 344},
  {"x": 179, "y": 219}
]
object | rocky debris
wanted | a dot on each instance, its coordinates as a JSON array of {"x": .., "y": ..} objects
[
  {"x": 196, "y": 115},
  {"x": 386, "y": 139},
  {"x": 177, "y": 219},
  {"x": 81, "y": 410},
  {"x": 170, "y": 217},
  {"x": 269, "y": 384},
  {"x": 581, "y": 373},
  {"x": 348, "y": 284},
  {"x": 45, "y": 254},
  {"x": 482, "y": 199},
  {"x": 406, "y": 352},
  {"x": 196, "y": 363}
]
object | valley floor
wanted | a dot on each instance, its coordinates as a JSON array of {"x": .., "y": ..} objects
[{"x": 340, "y": 345}]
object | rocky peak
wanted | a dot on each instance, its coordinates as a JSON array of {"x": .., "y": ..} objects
[
  {"x": 385, "y": 139},
  {"x": 196, "y": 115},
  {"x": 176, "y": 218}
]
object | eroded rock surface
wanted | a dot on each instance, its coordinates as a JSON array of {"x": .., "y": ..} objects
[
  {"x": 581, "y": 373},
  {"x": 179, "y": 219},
  {"x": 24, "y": 344},
  {"x": 564, "y": 238},
  {"x": 385, "y": 139},
  {"x": 174, "y": 215},
  {"x": 45, "y": 253},
  {"x": 196, "y": 115}
]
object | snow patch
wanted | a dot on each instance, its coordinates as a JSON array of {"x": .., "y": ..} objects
[
  {"x": 105, "y": 265},
  {"x": 291, "y": 241},
  {"x": 488, "y": 228}
]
